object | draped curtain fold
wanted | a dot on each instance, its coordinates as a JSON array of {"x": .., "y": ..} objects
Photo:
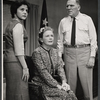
[{"x": 31, "y": 28}]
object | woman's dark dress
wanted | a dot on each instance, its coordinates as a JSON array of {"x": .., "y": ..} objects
[
  {"x": 16, "y": 89},
  {"x": 43, "y": 61}
]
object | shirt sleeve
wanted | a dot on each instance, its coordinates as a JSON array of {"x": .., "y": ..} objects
[
  {"x": 44, "y": 74},
  {"x": 60, "y": 40},
  {"x": 18, "y": 40},
  {"x": 93, "y": 38}
]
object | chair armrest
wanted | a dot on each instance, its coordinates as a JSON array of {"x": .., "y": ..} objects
[{"x": 35, "y": 89}]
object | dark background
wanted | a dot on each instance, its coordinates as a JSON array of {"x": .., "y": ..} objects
[{"x": 99, "y": 50}]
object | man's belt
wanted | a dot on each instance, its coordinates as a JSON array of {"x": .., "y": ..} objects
[{"x": 77, "y": 46}]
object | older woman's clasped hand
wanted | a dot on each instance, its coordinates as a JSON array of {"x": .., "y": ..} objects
[{"x": 64, "y": 86}]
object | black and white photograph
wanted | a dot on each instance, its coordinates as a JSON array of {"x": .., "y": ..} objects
[{"x": 50, "y": 50}]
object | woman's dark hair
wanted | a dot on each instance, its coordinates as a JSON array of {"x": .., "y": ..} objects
[
  {"x": 15, "y": 5},
  {"x": 42, "y": 30}
]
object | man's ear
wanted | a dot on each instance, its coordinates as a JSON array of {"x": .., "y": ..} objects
[{"x": 79, "y": 7}]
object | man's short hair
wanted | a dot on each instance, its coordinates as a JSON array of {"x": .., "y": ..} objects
[{"x": 78, "y": 2}]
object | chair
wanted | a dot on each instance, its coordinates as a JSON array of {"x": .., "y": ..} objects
[{"x": 35, "y": 91}]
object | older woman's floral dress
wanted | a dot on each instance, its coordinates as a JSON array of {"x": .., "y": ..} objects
[{"x": 47, "y": 63}]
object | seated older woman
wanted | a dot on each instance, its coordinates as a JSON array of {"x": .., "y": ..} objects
[{"x": 47, "y": 63}]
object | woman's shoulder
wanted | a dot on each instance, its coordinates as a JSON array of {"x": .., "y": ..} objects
[
  {"x": 54, "y": 50},
  {"x": 13, "y": 23},
  {"x": 37, "y": 50},
  {"x": 18, "y": 26}
]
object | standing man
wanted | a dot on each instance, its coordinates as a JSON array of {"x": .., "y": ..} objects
[{"x": 77, "y": 40}]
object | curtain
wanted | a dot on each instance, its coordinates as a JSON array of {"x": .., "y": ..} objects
[{"x": 31, "y": 28}]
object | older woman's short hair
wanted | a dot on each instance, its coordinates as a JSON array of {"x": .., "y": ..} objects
[
  {"x": 42, "y": 30},
  {"x": 15, "y": 5}
]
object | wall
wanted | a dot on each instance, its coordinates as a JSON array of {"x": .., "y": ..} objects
[{"x": 56, "y": 11}]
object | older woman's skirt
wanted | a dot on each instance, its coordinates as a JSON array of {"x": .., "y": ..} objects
[{"x": 50, "y": 93}]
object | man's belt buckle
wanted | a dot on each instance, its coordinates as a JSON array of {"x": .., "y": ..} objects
[{"x": 77, "y": 46}]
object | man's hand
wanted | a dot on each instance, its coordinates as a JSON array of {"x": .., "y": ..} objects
[{"x": 91, "y": 62}]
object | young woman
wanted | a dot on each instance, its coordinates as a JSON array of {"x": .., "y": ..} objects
[
  {"x": 15, "y": 67},
  {"x": 47, "y": 64}
]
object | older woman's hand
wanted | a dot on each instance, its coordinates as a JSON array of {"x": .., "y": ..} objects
[
  {"x": 59, "y": 86},
  {"x": 65, "y": 86}
]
